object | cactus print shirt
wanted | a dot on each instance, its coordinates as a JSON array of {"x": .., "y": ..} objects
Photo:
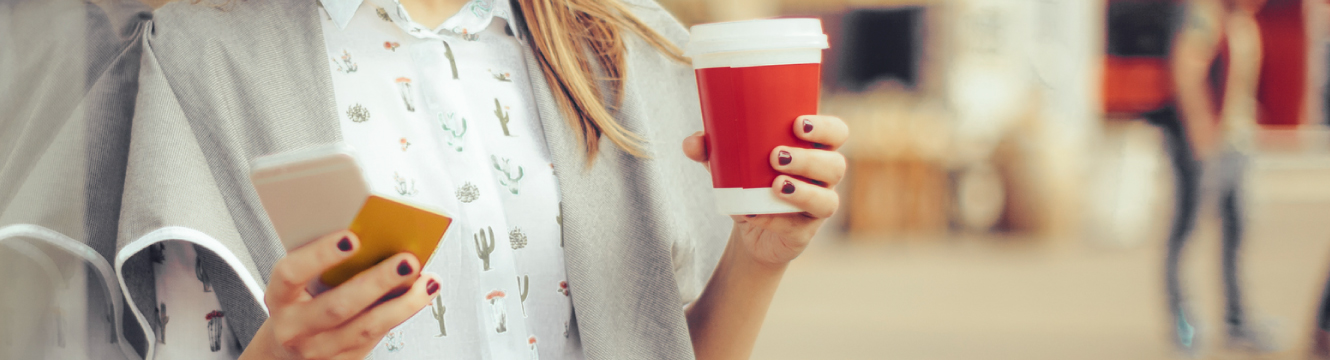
[
  {"x": 446, "y": 117},
  {"x": 192, "y": 324}
]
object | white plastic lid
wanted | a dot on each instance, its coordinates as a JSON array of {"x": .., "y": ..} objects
[{"x": 756, "y": 35}]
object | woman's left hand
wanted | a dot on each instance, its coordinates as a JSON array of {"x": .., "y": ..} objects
[{"x": 777, "y": 239}]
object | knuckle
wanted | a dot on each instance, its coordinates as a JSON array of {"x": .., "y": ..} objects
[
  {"x": 832, "y": 206},
  {"x": 281, "y": 265},
  {"x": 338, "y": 311},
  {"x": 297, "y": 346},
  {"x": 385, "y": 278},
  {"x": 284, "y": 274},
  {"x": 841, "y": 129},
  {"x": 366, "y": 336},
  {"x": 839, "y": 165},
  {"x": 808, "y": 194},
  {"x": 813, "y": 158},
  {"x": 326, "y": 255},
  {"x": 383, "y": 282}
]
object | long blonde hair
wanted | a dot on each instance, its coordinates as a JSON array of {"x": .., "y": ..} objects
[{"x": 565, "y": 36}]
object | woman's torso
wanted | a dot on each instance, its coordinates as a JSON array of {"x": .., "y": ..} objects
[
  {"x": 223, "y": 86},
  {"x": 446, "y": 118}
]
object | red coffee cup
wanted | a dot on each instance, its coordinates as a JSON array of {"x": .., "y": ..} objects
[{"x": 755, "y": 78}]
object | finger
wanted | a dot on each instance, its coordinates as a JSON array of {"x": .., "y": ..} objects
[
  {"x": 817, "y": 201},
  {"x": 299, "y": 266},
  {"x": 695, "y": 147},
  {"x": 367, "y": 329},
  {"x": 828, "y": 131},
  {"x": 827, "y": 167},
  {"x": 351, "y": 298}
]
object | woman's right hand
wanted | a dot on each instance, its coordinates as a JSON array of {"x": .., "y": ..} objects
[{"x": 347, "y": 321}]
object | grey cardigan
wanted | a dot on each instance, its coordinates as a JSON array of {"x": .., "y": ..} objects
[
  {"x": 67, "y": 92},
  {"x": 219, "y": 87}
]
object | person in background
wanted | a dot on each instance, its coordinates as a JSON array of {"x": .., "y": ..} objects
[{"x": 1215, "y": 63}]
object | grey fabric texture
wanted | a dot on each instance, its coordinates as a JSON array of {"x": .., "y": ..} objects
[
  {"x": 144, "y": 289},
  {"x": 67, "y": 93},
  {"x": 232, "y": 84},
  {"x": 65, "y": 106},
  {"x": 625, "y": 218},
  {"x": 220, "y": 87}
]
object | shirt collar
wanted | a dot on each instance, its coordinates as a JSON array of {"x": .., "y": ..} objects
[{"x": 473, "y": 18}]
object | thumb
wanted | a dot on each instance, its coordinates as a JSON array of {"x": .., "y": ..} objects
[{"x": 695, "y": 147}]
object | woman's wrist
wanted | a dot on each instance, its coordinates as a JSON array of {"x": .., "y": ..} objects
[
  {"x": 725, "y": 320},
  {"x": 739, "y": 258}
]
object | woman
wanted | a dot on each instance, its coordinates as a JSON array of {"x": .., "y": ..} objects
[
  {"x": 1216, "y": 61},
  {"x": 483, "y": 108}
]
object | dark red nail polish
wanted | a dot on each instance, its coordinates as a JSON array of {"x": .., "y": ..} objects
[
  {"x": 784, "y": 157},
  {"x": 808, "y": 126},
  {"x": 788, "y": 188},
  {"x": 403, "y": 269},
  {"x": 344, "y": 245},
  {"x": 431, "y": 287},
  {"x": 393, "y": 294}
]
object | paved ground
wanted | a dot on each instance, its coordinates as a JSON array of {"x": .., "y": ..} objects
[{"x": 993, "y": 298}]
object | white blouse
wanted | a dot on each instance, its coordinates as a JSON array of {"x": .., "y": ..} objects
[{"x": 446, "y": 118}]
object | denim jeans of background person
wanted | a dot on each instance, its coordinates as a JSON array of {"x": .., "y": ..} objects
[
  {"x": 1215, "y": 64},
  {"x": 1219, "y": 182}
]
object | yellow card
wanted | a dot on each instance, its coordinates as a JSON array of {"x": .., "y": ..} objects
[{"x": 386, "y": 228}]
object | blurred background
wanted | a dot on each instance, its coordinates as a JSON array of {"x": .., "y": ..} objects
[{"x": 1007, "y": 200}]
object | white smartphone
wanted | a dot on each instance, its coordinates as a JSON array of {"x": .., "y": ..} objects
[
  {"x": 314, "y": 192},
  {"x": 310, "y": 193}
]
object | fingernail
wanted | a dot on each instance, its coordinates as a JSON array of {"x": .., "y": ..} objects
[
  {"x": 808, "y": 126},
  {"x": 403, "y": 268},
  {"x": 431, "y": 287},
  {"x": 784, "y": 157},
  {"x": 788, "y": 188},
  {"x": 345, "y": 244}
]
